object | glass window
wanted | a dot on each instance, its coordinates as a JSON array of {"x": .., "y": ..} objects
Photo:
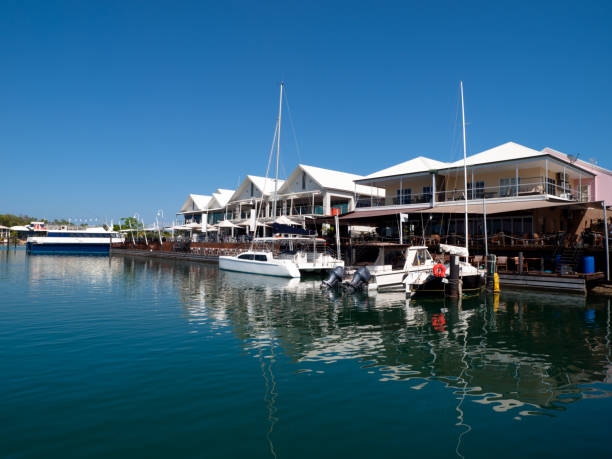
[
  {"x": 261, "y": 258},
  {"x": 245, "y": 256}
]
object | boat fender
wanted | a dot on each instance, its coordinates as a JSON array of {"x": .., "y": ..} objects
[{"x": 439, "y": 270}]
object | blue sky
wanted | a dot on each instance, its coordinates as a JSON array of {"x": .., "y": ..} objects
[{"x": 111, "y": 108}]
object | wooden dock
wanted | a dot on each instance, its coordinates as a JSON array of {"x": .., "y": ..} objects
[
  {"x": 568, "y": 283},
  {"x": 185, "y": 256}
]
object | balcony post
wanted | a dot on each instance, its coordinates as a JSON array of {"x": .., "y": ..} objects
[
  {"x": 433, "y": 189},
  {"x": 516, "y": 184},
  {"x": 546, "y": 177},
  {"x": 472, "y": 197}
]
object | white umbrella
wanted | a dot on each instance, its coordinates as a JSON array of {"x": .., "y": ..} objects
[
  {"x": 226, "y": 224},
  {"x": 283, "y": 220}
]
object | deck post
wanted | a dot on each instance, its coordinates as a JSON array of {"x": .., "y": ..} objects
[
  {"x": 452, "y": 287},
  {"x": 520, "y": 262},
  {"x": 491, "y": 270},
  {"x": 605, "y": 216}
]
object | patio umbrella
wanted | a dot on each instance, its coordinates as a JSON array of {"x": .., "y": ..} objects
[{"x": 283, "y": 220}]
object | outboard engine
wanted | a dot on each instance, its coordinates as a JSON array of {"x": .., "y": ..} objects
[
  {"x": 334, "y": 279},
  {"x": 360, "y": 279}
]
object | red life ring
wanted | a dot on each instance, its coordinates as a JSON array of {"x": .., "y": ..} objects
[{"x": 439, "y": 270}]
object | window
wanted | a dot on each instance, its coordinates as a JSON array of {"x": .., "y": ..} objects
[
  {"x": 507, "y": 186},
  {"x": 252, "y": 189},
  {"x": 245, "y": 256},
  {"x": 303, "y": 180},
  {"x": 260, "y": 258},
  {"x": 420, "y": 257},
  {"x": 551, "y": 184},
  {"x": 426, "y": 193},
  {"x": 478, "y": 192},
  {"x": 404, "y": 196}
]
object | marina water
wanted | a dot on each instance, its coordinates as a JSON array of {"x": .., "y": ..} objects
[{"x": 135, "y": 357}]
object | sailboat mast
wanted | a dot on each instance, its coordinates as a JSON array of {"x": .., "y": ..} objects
[
  {"x": 278, "y": 127},
  {"x": 464, "y": 170}
]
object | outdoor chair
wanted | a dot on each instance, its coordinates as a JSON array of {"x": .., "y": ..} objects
[
  {"x": 502, "y": 261},
  {"x": 477, "y": 260}
]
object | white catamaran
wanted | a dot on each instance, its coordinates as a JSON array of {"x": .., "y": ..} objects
[{"x": 284, "y": 256}]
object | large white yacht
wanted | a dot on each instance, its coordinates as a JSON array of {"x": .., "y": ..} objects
[{"x": 95, "y": 240}]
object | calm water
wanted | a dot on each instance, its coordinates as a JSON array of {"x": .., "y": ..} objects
[{"x": 128, "y": 357}]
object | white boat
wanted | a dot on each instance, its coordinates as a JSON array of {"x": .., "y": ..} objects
[
  {"x": 281, "y": 256},
  {"x": 263, "y": 263},
  {"x": 395, "y": 268},
  {"x": 95, "y": 240},
  {"x": 286, "y": 256}
]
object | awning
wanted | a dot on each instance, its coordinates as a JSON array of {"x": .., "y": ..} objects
[
  {"x": 371, "y": 213},
  {"x": 476, "y": 208}
]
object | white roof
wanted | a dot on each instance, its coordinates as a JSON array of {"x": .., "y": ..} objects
[
  {"x": 264, "y": 185},
  {"x": 413, "y": 166},
  {"x": 336, "y": 180},
  {"x": 505, "y": 152},
  {"x": 20, "y": 228},
  {"x": 196, "y": 202},
  {"x": 220, "y": 198}
]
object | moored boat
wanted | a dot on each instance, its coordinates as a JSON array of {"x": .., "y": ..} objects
[{"x": 95, "y": 240}]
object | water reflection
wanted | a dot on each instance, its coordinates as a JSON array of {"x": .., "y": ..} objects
[
  {"x": 515, "y": 352},
  {"x": 521, "y": 353}
]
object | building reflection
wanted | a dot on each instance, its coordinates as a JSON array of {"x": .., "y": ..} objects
[{"x": 516, "y": 352}]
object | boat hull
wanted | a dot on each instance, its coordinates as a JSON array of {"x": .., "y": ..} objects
[
  {"x": 435, "y": 287},
  {"x": 264, "y": 268},
  {"x": 68, "y": 248}
]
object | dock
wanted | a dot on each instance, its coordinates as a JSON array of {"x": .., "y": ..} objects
[{"x": 565, "y": 283}]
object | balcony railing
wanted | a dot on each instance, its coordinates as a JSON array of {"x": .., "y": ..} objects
[{"x": 527, "y": 186}]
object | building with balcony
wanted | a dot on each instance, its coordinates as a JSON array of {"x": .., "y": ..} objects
[
  {"x": 313, "y": 191},
  {"x": 525, "y": 193},
  {"x": 194, "y": 210}
]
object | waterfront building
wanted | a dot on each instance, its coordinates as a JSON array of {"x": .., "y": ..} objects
[
  {"x": 247, "y": 199},
  {"x": 311, "y": 191},
  {"x": 528, "y": 196},
  {"x": 195, "y": 209}
]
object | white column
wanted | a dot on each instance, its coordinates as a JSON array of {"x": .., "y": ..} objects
[
  {"x": 472, "y": 197},
  {"x": 516, "y": 180},
  {"x": 433, "y": 189},
  {"x": 326, "y": 204},
  {"x": 546, "y": 178}
]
